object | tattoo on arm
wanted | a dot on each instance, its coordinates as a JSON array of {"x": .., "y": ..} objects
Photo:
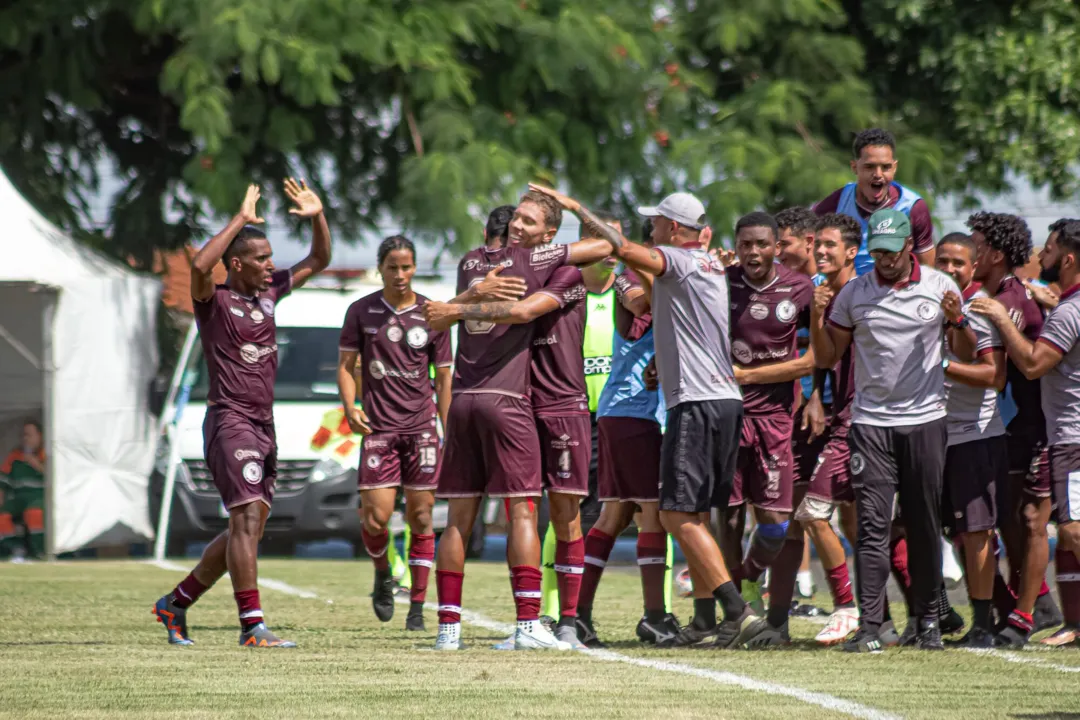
[
  {"x": 599, "y": 228},
  {"x": 653, "y": 254},
  {"x": 487, "y": 311}
]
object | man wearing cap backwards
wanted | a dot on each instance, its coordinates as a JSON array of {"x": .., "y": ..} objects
[
  {"x": 898, "y": 316},
  {"x": 704, "y": 404}
]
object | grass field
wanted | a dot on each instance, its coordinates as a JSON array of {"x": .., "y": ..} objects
[{"x": 77, "y": 640}]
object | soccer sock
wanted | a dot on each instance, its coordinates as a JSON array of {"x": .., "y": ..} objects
[
  {"x": 898, "y": 559},
  {"x": 1068, "y": 578},
  {"x": 188, "y": 591},
  {"x": 765, "y": 546},
  {"x": 1045, "y": 589},
  {"x": 651, "y": 559},
  {"x": 782, "y": 579},
  {"x": 944, "y": 606},
  {"x": 569, "y": 567},
  {"x": 376, "y": 546},
  {"x": 980, "y": 614},
  {"x": 598, "y": 547},
  {"x": 840, "y": 586},
  {"x": 448, "y": 588},
  {"x": 247, "y": 603},
  {"x": 526, "y": 583},
  {"x": 421, "y": 560},
  {"x": 549, "y": 585},
  {"x": 730, "y": 600},
  {"x": 704, "y": 613}
]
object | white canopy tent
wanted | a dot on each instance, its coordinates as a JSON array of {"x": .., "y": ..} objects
[{"x": 78, "y": 351}]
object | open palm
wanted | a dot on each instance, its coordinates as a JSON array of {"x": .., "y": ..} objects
[{"x": 307, "y": 202}]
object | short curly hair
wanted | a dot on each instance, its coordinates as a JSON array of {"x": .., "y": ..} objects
[
  {"x": 873, "y": 137},
  {"x": 1007, "y": 233},
  {"x": 799, "y": 220},
  {"x": 850, "y": 230},
  {"x": 551, "y": 207}
]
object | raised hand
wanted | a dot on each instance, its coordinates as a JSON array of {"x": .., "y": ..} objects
[
  {"x": 823, "y": 295},
  {"x": 567, "y": 202},
  {"x": 308, "y": 204},
  {"x": 953, "y": 307},
  {"x": 248, "y": 209}
]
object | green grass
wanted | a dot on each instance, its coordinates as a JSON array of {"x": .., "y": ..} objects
[{"x": 77, "y": 640}]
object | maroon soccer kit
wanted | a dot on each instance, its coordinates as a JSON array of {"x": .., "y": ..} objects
[
  {"x": 396, "y": 348},
  {"x": 764, "y": 324},
  {"x": 239, "y": 341},
  {"x": 831, "y": 479}
]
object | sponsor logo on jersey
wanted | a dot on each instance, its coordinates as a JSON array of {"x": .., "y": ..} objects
[
  {"x": 417, "y": 337},
  {"x": 376, "y": 310},
  {"x": 394, "y": 333},
  {"x": 598, "y": 365},
  {"x": 378, "y": 371},
  {"x": 236, "y": 311},
  {"x": 474, "y": 264},
  {"x": 251, "y": 353},
  {"x": 252, "y": 473},
  {"x": 541, "y": 341},
  {"x": 759, "y": 311},
  {"x": 741, "y": 351},
  {"x": 544, "y": 254},
  {"x": 245, "y": 454}
]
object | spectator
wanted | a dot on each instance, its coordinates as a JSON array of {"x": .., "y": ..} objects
[{"x": 22, "y": 496}]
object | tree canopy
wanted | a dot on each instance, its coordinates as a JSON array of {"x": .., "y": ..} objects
[{"x": 434, "y": 111}]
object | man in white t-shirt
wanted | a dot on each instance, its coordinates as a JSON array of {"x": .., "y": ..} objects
[{"x": 898, "y": 317}]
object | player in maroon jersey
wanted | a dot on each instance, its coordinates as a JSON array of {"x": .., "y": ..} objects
[
  {"x": 1003, "y": 245},
  {"x": 387, "y": 335},
  {"x": 492, "y": 445},
  {"x": 769, "y": 303},
  {"x": 238, "y": 333}
]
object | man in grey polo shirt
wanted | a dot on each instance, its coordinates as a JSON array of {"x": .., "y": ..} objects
[
  {"x": 898, "y": 317},
  {"x": 1054, "y": 357},
  {"x": 704, "y": 404}
]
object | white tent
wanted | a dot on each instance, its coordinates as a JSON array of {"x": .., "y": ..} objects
[{"x": 78, "y": 351}]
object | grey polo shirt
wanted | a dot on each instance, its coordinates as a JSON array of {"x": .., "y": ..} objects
[
  {"x": 1061, "y": 386},
  {"x": 898, "y": 336}
]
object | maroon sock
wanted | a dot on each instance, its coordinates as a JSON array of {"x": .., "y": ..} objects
[
  {"x": 898, "y": 558},
  {"x": 526, "y": 582},
  {"x": 448, "y": 588},
  {"x": 652, "y": 562},
  {"x": 376, "y": 546},
  {"x": 247, "y": 603},
  {"x": 598, "y": 547},
  {"x": 782, "y": 579},
  {"x": 840, "y": 586},
  {"x": 188, "y": 591},
  {"x": 1004, "y": 598},
  {"x": 421, "y": 560},
  {"x": 1068, "y": 578},
  {"x": 569, "y": 567},
  {"x": 1045, "y": 589}
]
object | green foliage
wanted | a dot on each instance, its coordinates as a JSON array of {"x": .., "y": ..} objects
[{"x": 434, "y": 111}]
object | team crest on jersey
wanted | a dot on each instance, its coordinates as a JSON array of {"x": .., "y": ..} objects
[
  {"x": 257, "y": 315},
  {"x": 394, "y": 333},
  {"x": 377, "y": 369},
  {"x": 926, "y": 311},
  {"x": 252, "y": 473},
  {"x": 858, "y": 463},
  {"x": 236, "y": 311},
  {"x": 374, "y": 461},
  {"x": 741, "y": 351},
  {"x": 417, "y": 337},
  {"x": 785, "y": 311},
  {"x": 759, "y": 311},
  {"x": 267, "y": 306}
]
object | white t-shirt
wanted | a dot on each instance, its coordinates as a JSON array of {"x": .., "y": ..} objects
[{"x": 973, "y": 412}]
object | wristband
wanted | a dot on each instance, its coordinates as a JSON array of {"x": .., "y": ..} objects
[{"x": 963, "y": 324}]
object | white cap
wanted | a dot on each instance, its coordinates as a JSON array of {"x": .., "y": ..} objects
[{"x": 683, "y": 208}]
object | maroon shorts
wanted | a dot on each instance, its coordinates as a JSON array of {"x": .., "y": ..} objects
[
  {"x": 831, "y": 479},
  {"x": 396, "y": 459},
  {"x": 628, "y": 466},
  {"x": 565, "y": 452},
  {"x": 1065, "y": 482},
  {"x": 241, "y": 455},
  {"x": 1037, "y": 481},
  {"x": 806, "y": 452},
  {"x": 764, "y": 472},
  {"x": 491, "y": 448},
  {"x": 973, "y": 471}
]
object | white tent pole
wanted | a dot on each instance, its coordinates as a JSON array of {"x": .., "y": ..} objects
[
  {"x": 48, "y": 418},
  {"x": 187, "y": 380}
]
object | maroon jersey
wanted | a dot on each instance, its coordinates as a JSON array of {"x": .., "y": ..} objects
[
  {"x": 843, "y": 383},
  {"x": 1028, "y": 318},
  {"x": 396, "y": 348},
  {"x": 239, "y": 341},
  {"x": 495, "y": 358},
  {"x": 764, "y": 324},
  {"x": 628, "y": 326},
  {"x": 922, "y": 227},
  {"x": 558, "y": 365}
]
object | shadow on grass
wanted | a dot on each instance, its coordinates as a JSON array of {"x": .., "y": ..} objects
[
  {"x": 44, "y": 643},
  {"x": 1047, "y": 716}
]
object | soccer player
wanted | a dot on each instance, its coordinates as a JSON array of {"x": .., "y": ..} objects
[
  {"x": 492, "y": 446},
  {"x": 1054, "y": 357},
  {"x": 975, "y": 462},
  {"x": 1003, "y": 246},
  {"x": 897, "y": 317},
  {"x": 693, "y": 360},
  {"x": 238, "y": 333},
  {"x": 387, "y": 335},
  {"x": 836, "y": 242},
  {"x": 874, "y": 164},
  {"x": 769, "y": 303}
]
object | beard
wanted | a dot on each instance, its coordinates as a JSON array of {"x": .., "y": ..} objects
[{"x": 1051, "y": 274}]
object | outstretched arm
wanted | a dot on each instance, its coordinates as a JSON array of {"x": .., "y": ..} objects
[
  {"x": 442, "y": 315},
  {"x": 308, "y": 205},
  {"x": 210, "y": 254},
  {"x": 779, "y": 372}
]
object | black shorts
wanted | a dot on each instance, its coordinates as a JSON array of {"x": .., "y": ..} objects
[
  {"x": 1065, "y": 482},
  {"x": 697, "y": 458},
  {"x": 973, "y": 471}
]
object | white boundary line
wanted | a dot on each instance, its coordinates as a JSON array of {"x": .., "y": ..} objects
[
  {"x": 1015, "y": 657},
  {"x": 823, "y": 700}
]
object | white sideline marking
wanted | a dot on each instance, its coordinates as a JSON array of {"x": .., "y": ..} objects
[
  {"x": 724, "y": 678},
  {"x": 1021, "y": 659}
]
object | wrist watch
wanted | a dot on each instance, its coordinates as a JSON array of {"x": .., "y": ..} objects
[{"x": 945, "y": 364}]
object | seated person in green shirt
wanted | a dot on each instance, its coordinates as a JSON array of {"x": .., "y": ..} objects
[{"x": 22, "y": 495}]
